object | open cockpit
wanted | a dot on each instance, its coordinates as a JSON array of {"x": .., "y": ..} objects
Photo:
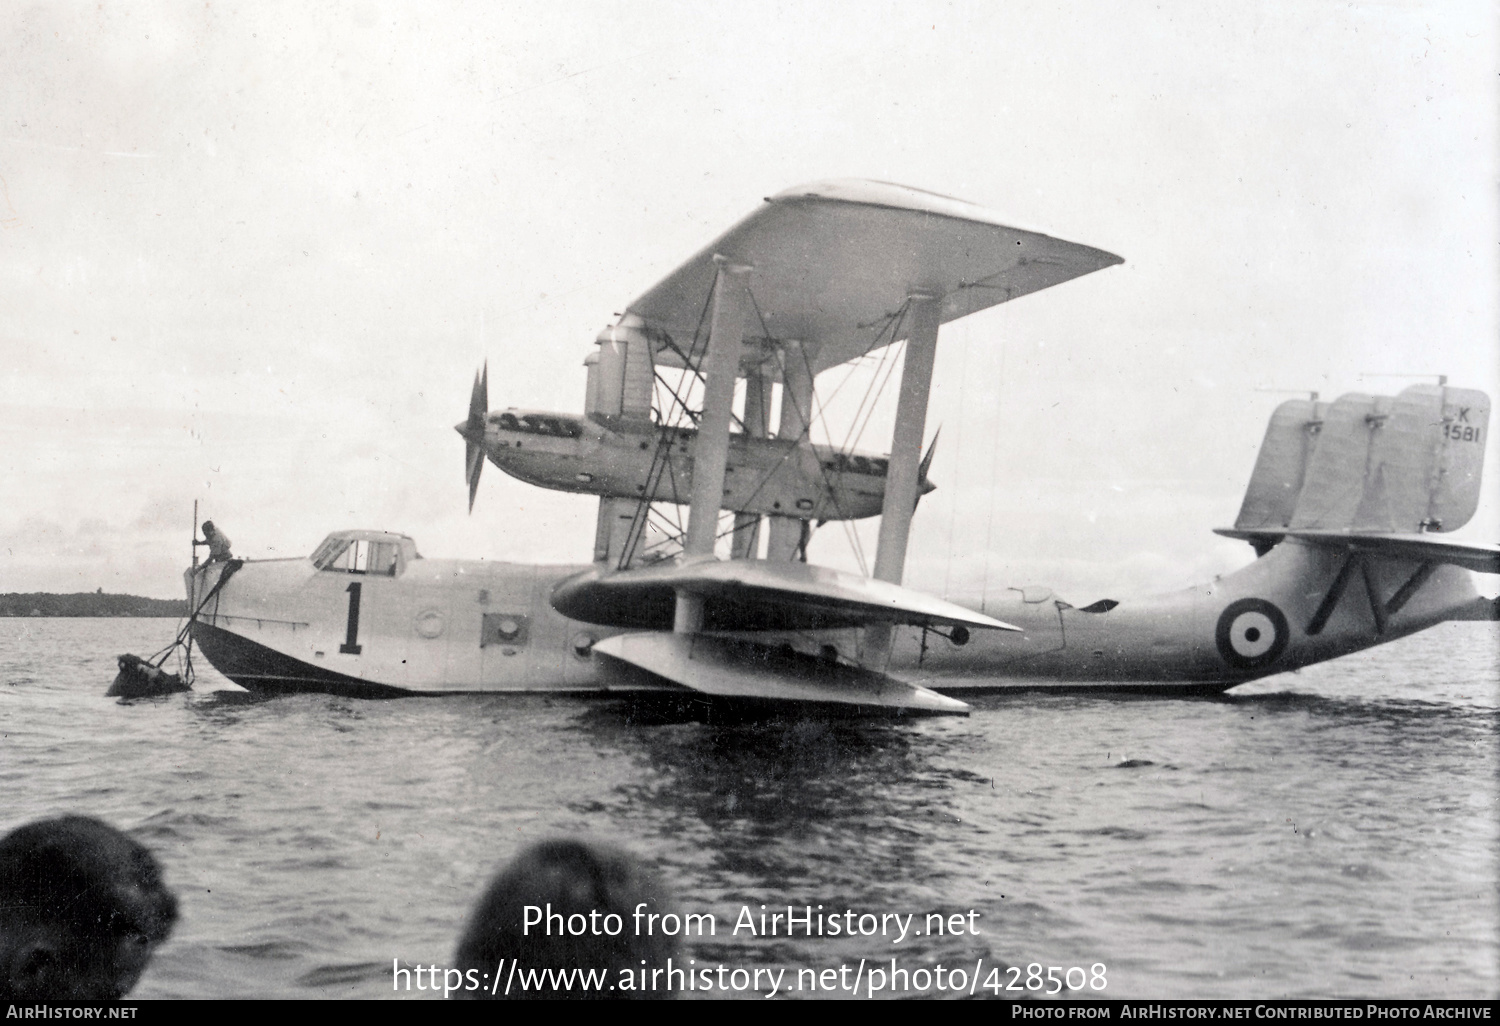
[{"x": 537, "y": 424}]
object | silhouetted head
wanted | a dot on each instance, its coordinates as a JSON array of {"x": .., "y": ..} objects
[
  {"x": 82, "y": 907},
  {"x": 594, "y": 892},
  {"x": 208, "y": 528}
]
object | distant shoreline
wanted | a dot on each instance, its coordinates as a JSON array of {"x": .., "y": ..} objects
[{"x": 88, "y": 603}]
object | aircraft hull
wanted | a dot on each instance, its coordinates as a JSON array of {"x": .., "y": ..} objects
[
  {"x": 448, "y": 626},
  {"x": 258, "y": 667},
  {"x": 1258, "y": 621},
  {"x": 440, "y": 627}
]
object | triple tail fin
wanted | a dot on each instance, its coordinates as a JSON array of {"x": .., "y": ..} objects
[
  {"x": 1281, "y": 467},
  {"x": 1368, "y": 464}
]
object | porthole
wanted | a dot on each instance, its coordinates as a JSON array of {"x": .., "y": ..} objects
[{"x": 430, "y": 623}]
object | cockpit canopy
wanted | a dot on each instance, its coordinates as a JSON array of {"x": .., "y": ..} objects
[
  {"x": 853, "y": 463},
  {"x": 380, "y": 553}
]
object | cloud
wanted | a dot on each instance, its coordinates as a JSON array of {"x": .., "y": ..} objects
[{"x": 317, "y": 209}]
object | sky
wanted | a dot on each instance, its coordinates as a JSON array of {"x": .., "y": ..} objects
[{"x": 252, "y": 255}]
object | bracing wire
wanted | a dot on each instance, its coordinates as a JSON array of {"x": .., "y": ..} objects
[
  {"x": 958, "y": 446},
  {"x": 673, "y": 413},
  {"x": 667, "y": 433},
  {"x": 814, "y": 415},
  {"x": 989, "y": 531},
  {"x": 876, "y": 390},
  {"x": 887, "y": 363}
]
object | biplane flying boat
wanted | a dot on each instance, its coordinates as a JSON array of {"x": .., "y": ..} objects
[{"x": 1345, "y": 509}]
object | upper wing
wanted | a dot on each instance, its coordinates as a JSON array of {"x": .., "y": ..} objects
[
  {"x": 835, "y": 261},
  {"x": 751, "y": 595}
]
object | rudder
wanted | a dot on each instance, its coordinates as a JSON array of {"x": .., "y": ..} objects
[
  {"x": 1281, "y": 466},
  {"x": 1459, "y": 466}
]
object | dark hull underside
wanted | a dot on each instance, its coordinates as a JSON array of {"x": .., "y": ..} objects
[
  {"x": 1012, "y": 686},
  {"x": 257, "y": 668}
]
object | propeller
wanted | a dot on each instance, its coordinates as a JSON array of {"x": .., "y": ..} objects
[
  {"x": 473, "y": 431},
  {"x": 923, "y": 485}
]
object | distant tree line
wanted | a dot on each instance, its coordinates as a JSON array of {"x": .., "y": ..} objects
[{"x": 88, "y": 603}]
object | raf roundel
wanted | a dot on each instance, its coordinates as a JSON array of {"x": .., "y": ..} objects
[{"x": 1251, "y": 633}]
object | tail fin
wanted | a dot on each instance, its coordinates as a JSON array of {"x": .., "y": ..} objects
[
  {"x": 1371, "y": 463},
  {"x": 1281, "y": 467},
  {"x": 1460, "y": 456}
]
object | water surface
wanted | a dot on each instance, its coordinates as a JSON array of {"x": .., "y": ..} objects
[{"x": 1326, "y": 833}]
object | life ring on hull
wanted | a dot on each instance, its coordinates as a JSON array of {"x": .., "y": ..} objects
[{"x": 1251, "y": 633}]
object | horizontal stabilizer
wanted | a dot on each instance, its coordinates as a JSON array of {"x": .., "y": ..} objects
[
  {"x": 834, "y": 261},
  {"x": 743, "y": 670},
  {"x": 1419, "y": 548},
  {"x": 754, "y": 595}
]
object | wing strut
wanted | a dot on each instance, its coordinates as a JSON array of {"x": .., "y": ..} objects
[
  {"x": 786, "y": 533},
  {"x": 757, "y": 419},
  {"x": 711, "y": 449},
  {"x": 902, "y": 482},
  {"x": 1381, "y": 609}
]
